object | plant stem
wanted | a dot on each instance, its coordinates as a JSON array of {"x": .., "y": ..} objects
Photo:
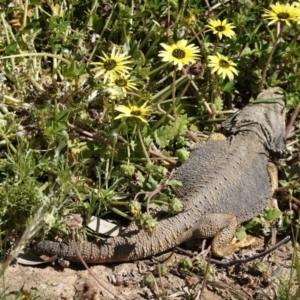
[
  {"x": 25, "y": 14},
  {"x": 38, "y": 54},
  {"x": 14, "y": 150},
  {"x": 161, "y": 67},
  {"x": 120, "y": 213},
  {"x": 143, "y": 146},
  {"x": 15, "y": 101},
  {"x": 163, "y": 94},
  {"x": 264, "y": 74},
  {"x": 174, "y": 93}
]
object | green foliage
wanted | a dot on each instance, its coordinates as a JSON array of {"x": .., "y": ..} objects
[
  {"x": 149, "y": 280},
  {"x": 135, "y": 208},
  {"x": 18, "y": 190},
  {"x": 166, "y": 135},
  {"x": 200, "y": 267},
  {"x": 127, "y": 170},
  {"x": 148, "y": 223},
  {"x": 263, "y": 221},
  {"x": 182, "y": 155},
  {"x": 185, "y": 264},
  {"x": 22, "y": 295},
  {"x": 175, "y": 206}
]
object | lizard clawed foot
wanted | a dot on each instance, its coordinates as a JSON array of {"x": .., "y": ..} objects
[
  {"x": 234, "y": 246},
  {"x": 245, "y": 242}
]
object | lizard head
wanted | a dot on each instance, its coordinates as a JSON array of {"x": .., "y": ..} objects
[{"x": 266, "y": 119}]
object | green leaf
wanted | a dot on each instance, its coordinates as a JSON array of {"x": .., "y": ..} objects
[
  {"x": 79, "y": 68},
  {"x": 174, "y": 182},
  {"x": 143, "y": 72},
  {"x": 11, "y": 48},
  {"x": 139, "y": 57},
  {"x": 241, "y": 233},
  {"x": 75, "y": 70},
  {"x": 182, "y": 154},
  {"x": 148, "y": 140},
  {"x": 227, "y": 88},
  {"x": 133, "y": 144},
  {"x": 218, "y": 105},
  {"x": 254, "y": 225},
  {"x": 153, "y": 205},
  {"x": 180, "y": 125},
  {"x": 66, "y": 72},
  {"x": 163, "y": 136},
  {"x": 247, "y": 51},
  {"x": 286, "y": 221},
  {"x": 272, "y": 214},
  {"x": 60, "y": 126},
  {"x": 175, "y": 206},
  {"x": 140, "y": 177},
  {"x": 62, "y": 116}
]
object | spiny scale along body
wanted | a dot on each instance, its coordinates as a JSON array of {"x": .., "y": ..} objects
[{"x": 224, "y": 182}]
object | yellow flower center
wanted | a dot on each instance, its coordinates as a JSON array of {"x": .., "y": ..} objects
[
  {"x": 136, "y": 112},
  {"x": 224, "y": 64},
  {"x": 187, "y": 15},
  {"x": 220, "y": 28},
  {"x": 110, "y": 64},
  {"x": 121, "y": 82},
  {"x": 178, "y": 53},
  {"x": 283, "y": 16}
]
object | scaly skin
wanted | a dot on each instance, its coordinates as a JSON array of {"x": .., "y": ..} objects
[{"x": 224, "y": 183}]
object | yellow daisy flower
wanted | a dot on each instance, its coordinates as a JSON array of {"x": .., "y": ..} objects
[
  {"x": 123, "y": 82},
  {"x": 133, "y": 111},
  {"x": 221, "y": 27},
  {"x": 112, "y": 65},
  {"x": 179, "y": 53},
  {"x": 282, "y": 13},
  {"x": 222, "y": 65},
  {"x": 188, "y": 17}
]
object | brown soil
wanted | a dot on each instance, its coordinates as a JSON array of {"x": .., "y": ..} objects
[{"x": 259, "y": 279}]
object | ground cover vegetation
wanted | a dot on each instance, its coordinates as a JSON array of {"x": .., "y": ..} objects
[{"x": 100, "y": 99}]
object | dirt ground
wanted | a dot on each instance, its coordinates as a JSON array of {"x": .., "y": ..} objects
[{"x": 258, "y": 279}]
